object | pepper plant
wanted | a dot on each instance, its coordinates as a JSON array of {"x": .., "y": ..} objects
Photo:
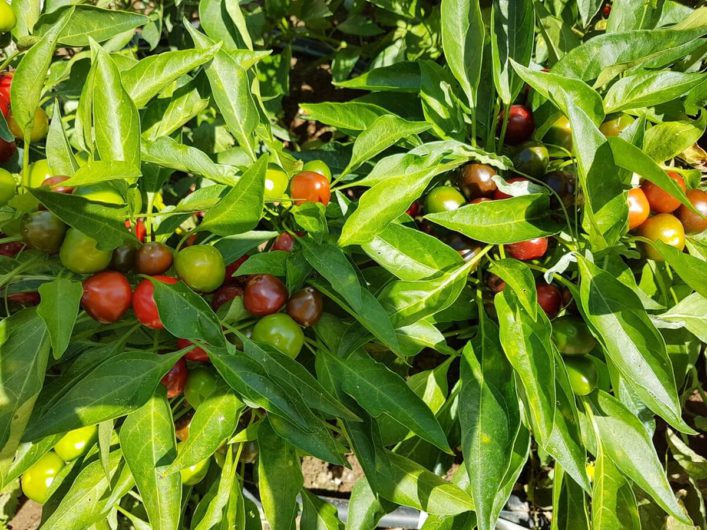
[{"x": 486, "y": 276}]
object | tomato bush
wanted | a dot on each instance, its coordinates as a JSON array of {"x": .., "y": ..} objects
[{"x": 456, "y": 245}]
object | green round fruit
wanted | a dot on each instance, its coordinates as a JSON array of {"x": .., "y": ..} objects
[
  {"x": 8, "y": 186},
  {"x": 281, "y": 332},
  {"x": 201, "y": 267},
  {"x": 39, "y": 171},
  {"x": 560, "y": 134},
  {"x": 7, "y": 17},
  {"x": 582, "y": 374},
  {"x": 37, "y": 480},
  {"x": 531, "y": 159},
  {"x": 276, "y": 183},
  {"x": 100, "y": 193},
  {"x": 201, "y": 383},
  {"x": 38, "y": 129},
  {"x": 443, "y": 199},
  {"x": 318, "y": 166},
  {"x": 79, "y": 253},
  {"x": 571, "y": 335},
  {"x": 75, "y": 443},
  {"x": 616, "y": 124},
  {"x": 43, "y": 231},
  {"x": 192, "y": 475}
]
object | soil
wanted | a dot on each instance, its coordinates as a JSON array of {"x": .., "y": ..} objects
[
  {"x": 27, "y": 517},
  {"x": 321, "y": 476}
]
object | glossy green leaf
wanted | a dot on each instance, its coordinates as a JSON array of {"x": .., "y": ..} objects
[
  {"x": 613, "y": 501},
  {"x": 167, "y": 152},
  {"x": 88, "y": 23},
  {"x": 331, "y": 262},
  {"x": 690, "y": 312},
  {"x": 649, "y": 89},
  {"x": 512, "y": 25},
  {"x": 133, "y": 378},
  {"x": 164, "y": 116},
  {"x": 691, "y": 270},
  {"x": 569, "y": 503},
  {"x": 147, "y": 442},
  {"x": 60, "y": 155},
  {"x": 667, "y": 140},
  {"x": 627, "y": 15},
  {"x": 348, "y": 115},
  {"x": 441, "y": 101},
  {"x": 59, "y": 308},
  {"x": 272, "y": 262},
  {"x": 365, "y": 508},
  {"x": 399, "y": 77},
  {"x": 318, "y": 514},
  {"x": 520, "y": 278},
  {"x": 223, "y": 21}
]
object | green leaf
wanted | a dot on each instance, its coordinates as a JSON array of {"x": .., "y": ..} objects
[
  {"x": 133, "y": 378},
  {"x": 627, "y": 445},
  {"x": 512, "y": 37},
  {"x": 167, "y": 152},
  {"x": 216, "y": 17},
  {"x": 668, "y": 139},
  {"x": 116, "y": 124},
  {"x": 60, "y": 155},
  {"x": 88, "y": 23},
  {"x": 569, "y": 503},
  {"x": 156, "y": 72},
  {"x": 410, "y": 254},
  {"x": 213, "y": 423},
  {"x": 24, "y": 354},
  {"x": 690, "y": 312},
  {"x": 463, "y": 41},
  {"x": 381, "y": 134},
  {"x": 164, "y": 116},
  {"x": 441, "y": 101},
  {"x": 59, "y": 308},
  {"x": 630, "y": 341},
  {"x": 613, "y": 501},
  {"x": 316, "y": 440},
  {"x": 278, "y": 459},
  {"x": 365, "y": 507},
  {"x": 489, "y": 418},
  {"x": 520, "y": 278},
  {"x": 318, "y": 514},
  {"x": 147, "y": 442},
  {"x": 240, "y": 209},
  {"x": 587, "y": 9},
  {"x": 649, "y": 89},
  {"x": 500, "y": 222},
  {"x": 348, "y": 115},
  {"x": 98, "y": 171},
  {"x": 398, "y": 77},
  {"x": 210, "y": 511},
  {"x": 691, "y": 270},
  {"x": 380, "y": 391},
  {"x": 627, "y": 15},
  {"x": 27, "y": 13},
  {"x": 272, "y": 262}
]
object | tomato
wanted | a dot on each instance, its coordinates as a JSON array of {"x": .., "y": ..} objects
[
  {"x": 571, "y": 335},
  {"x": 520, "y": 125},
  {"x": 414, "y": 209},
  {"x": 443, "y": 199},
  {"x": 606, "y": 10},
  {"x": 37, "y": 129},
  {"x": 662, "y": 227},
  {"x": 499, "y": 195},
  {"x": 466, "y": 247},
  {"x": 232, "y": 268},
  {"x": 153, "y": 258},
  {"x": 12, "y": 248},
  {"x": 283, "y": 242},
  {"x": 660, "y": 200},
  {"x": 39, "y": 171},
  {"x": 560, "y": 134},
  {"x": 582, "y": 374},
  {"x": 43, "y": 230},
  {"x": 694, "y": 223},
  {"x": 53, "y": 184},
  {"x": 495, "y": 283},
  {"x": 192, "y": 475},
  {"x": 201, "y": 384},
  {"x": 195, "y": 354},
  {"x": 79, "y": 253},
  {"x": 144, "y": 302},
  {"x": 124, "y": 257},
  {"x": 176, "y": 378},
  {"x": 100, "y": 193},
  {"x": 318, "y": 166},
  {"x": 549, "y": 299},
  {"x": 276, "y": 182},
  {"x": 8, "y": 186},
  {"x": 264, "y": 294},
  {"x": 5, "y": 86},
  {"x": 7, "y": 17},
  {"x": 27, "y": 298},
  {"x": 7, "y": 149},
  {"x": 531, "y": 159},
  {"x": 201, "y": 267},
  {"x": 225, "y": 294},
  {"x": 564, "y": 183},
  {"x": 310, "y": 187},
  {"x": 528, "y": 250},
  {"x": 306, "y": 306},
  {"x": 37, "y": 480},
  {"x": 616, "y": 124},
  {"x": 106, "y": 296},
  {"x": 476, "y": 180},
  {"x": 638, "y": 208},
  {"x": 76, "y": 443},
  {"x": 281, "y": 332}
]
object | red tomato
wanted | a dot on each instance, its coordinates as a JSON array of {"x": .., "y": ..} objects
[
  {"x": 310, "y": 187},
  {"x": 225, "y": 294},
  {"x": 520, "y": 125},
  {"x": 29, "y": 298},
  {"x": 284, "y": 242},
  {"x": 527, "y": 250},
  {"x": 11, "y": 249},
  {"x": 264, "y": 294},
  {"x": 176, "y": 378},
  {"x": 498, "y": 194},
  {"x": 414, "y": 209},
  {"x": 144, "y": 302},
  {"x": 638, "y": 208},
  {"x": 694, "y": 223},
  {"x": 549, "y": 299},
  {"x": 5, "y": 85},
  {"x": 106, "y": 296},
  {"x": 659, "y": 199},
  {"x": 195, "y": 354},
  {"x": 232, "y": 268},
  {"x": 7, "y": 149},
  {"x": 495, "y": 283}
]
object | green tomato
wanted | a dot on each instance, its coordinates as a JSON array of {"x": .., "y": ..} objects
[
  {"x": 38, "y": 479},
  {"x": 560, "y": 133},
  {"x": 318, "y": 166},
  {"x": 75, "y": 443},
  {"x": 7, "y": 17},
  {"x": 39, "y": 172},
  {"x": 443, "y": 199},
  {"x": 281, "y": 332},
  {"x": 201, "y": 384},
  {"x": 43, "y": 230},
  {"x": 582, "y": 373},
  {"x": 100, "y": 193},
  {"x": 616, "y": 124},
  {"x": 276, "y": 183},
  {"x": 531, "y": 159},
  {"x": 79, "y": 253},
  {"x": 194, "y": 474},
  {"x": 201, "y": 267},
  {"x": 571, "y": 335},
  {"x": 8, "y": 186}
]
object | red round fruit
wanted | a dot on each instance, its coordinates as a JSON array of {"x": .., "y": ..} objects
[
  {"x": 476, "y": 180},
  {"x": 659, "y": 199},
  {"x": 5, "y": 86},
  {"x": 527, "y": 250},
  {"x": 414, "y": 209},
  {"x": 638, "y": 208},
  {"x": 694, "y": 223},
  {"x": 195, "y": 354},
  {"x": 106, "y": 296},
  {"x": 176, "y": 378},
  {"x": 7, "y": 149},
  {"x": 232, "y": 268},
  {"x": 52, "y": 184},
  {"x": 662, "y": 227},
  {"x": 28, "y": 298},
  {"x": 264, "y": 294},
  {"x": 520, "y": 125},
  {"x": 306, "y": 306},
  {"x": 495, "y": 283},
  {"x": 225, "y": 294},
  {"x": 549, "y": 299},
  {"x": 11, "y": 249},
  {"x": 144, "y": 302},
  {"x": 283, "y": 242},
  {"x": 498, "y": 194},
  {"x": 153, "y": 258},
  {"x": 310, "y": 187}
]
